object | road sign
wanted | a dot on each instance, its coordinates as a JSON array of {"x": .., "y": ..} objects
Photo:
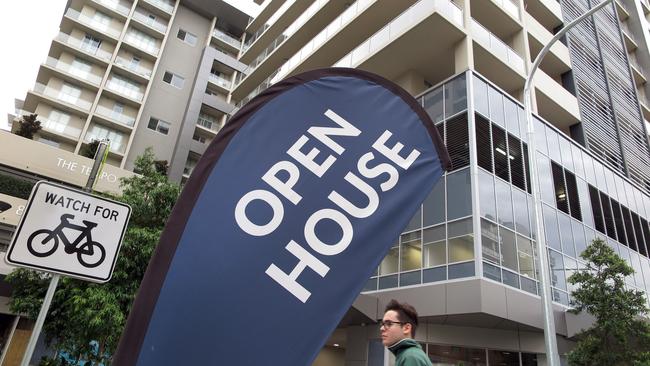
[{"x": 70, "y": 232}]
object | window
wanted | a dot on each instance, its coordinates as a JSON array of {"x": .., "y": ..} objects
[
  {"x": 572, "y": 192},
  {"x": 80, "y": 68},
  {"x": 516, "y": 162},
  {"x": 458, "y": 195},
  {"x": 186, "y": 37},
  {"x": 411, "y": 251},
  {"x": 125, "y": 87},
  {"x": 435, "y": 251},
  {"x": 457, "y": 141},
  {"x": 101, "y": 20},
  {"x": 57, "y": 121},
  {"x": 560, "y": 189},
  {"x": 158, "y": 125},
  {"x": 500, "y": 153},
  {"x": 596, "y": 209},
  {"x": 483, "y": 141},
  {"x": 142, "y": 41},
  {"x": 135, "y": 62},
  {"x": 173, "y": 79},
  {"x": 98, "y": 133},
  {"x": 461, "y": 241},
  {"x": 69, "y": 93},
  {"x": 90, "y": 44},
  {"x": 490, "y": 242},
  {"x": 433, "y": 206},
  {"x": 198, "y": 138}
]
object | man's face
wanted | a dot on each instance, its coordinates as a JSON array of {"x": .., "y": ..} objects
[{"x": 396, "y": 332}]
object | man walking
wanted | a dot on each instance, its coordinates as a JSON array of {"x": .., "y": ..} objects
[{"x": 397, "y": 332}]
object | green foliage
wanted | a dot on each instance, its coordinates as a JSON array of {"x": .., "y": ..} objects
[
  {"x": 89, "y": 150},
  {"x": 29, "y": 125},
  {"x": 619, "y": 336},
  {"x": 82, "y": 312},
  {"x": 15, "y": 187}
]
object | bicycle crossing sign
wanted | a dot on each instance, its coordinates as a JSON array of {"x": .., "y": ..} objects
[{"x": 71, "y": 232}]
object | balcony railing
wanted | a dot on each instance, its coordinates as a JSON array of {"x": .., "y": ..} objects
[
  {"x": 278, "y": 13},
  {"x": 65, "y": 99},
  {"x": 209, "y": 124},
  {"x": 92, "y": 23},
  {"x": 69, "y": 69},
  {"x": 119, "y": 88},
  {"x": 143, "y": 71},
  {"x": 60, "y": 128},
  {"x": 115, "y": 5},
  {"x": 497, "y": 46},
  {"x": 218, "y": 33},
  {"x": 83, "y": 46},
  {"x": 160, "y": 27},
  {"x": 509, "y": 6},
  {"x": 223, "y": 82},
  {"x": 160, "y": 4},
  {"x": 115, "y": 116},
  {"x": 133, "y": 40}
]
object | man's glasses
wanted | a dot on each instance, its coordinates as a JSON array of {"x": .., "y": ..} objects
[{"x": 389, "y": 323}]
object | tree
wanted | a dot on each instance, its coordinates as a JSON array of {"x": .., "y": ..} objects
[
  {"x": 28, "y": 126},
  {"x": 89, "y": 149},
  {"x": 619, "y": 336},
  {"x": 86, "y": 319}
]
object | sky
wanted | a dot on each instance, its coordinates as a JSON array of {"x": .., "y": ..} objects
[{"x": 27, "y": 28}]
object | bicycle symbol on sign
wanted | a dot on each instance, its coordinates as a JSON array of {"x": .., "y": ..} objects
[{"x": 44, "y": 242}]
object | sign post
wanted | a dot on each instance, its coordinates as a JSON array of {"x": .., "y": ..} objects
[{"x": 52, "y": 212}]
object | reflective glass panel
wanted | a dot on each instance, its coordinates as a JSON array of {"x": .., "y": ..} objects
[
  {"x": 504, "y": 204},
  {"x": 459, "y": 195},
  {"x": 487, "y": 195},
  {"x": 434, "y": 205}
]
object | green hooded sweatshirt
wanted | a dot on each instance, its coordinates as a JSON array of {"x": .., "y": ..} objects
[{"x": 409, "y": 353}]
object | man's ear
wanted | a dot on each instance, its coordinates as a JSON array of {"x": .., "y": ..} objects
[{"x": 407, "y": 329}]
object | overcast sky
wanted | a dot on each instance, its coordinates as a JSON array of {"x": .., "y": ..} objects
[{"x": 27, "y": 28}]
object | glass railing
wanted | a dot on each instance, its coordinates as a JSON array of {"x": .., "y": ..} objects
[
  {"x": 497, "y": 46},
  {"x": 119, "y": 88},
  {"x": 160, "y": 27},
  {"x": 83, "y": 46},
  {"x": 208, "y": 123},
  {"x": 137, "y": 42},
  {"x": 91, "y": 22},
  {"x": 115, "y": 116},
  {"x": 69, "y": 69},
  {"x": 218, "y": 33},
  {"x": 223, "y": 82},
  {"x": 60, "y": 128},
  {"x": 115, "y": 5},
  {"x": 274, "y": 18},
  {"x": 291, "y": 29},
  {"x": 160, "y": 4},
  {"x": 127, "y": 64},
  {"x": 509, "y": 6},
  {"x": 63, "y": 98}
]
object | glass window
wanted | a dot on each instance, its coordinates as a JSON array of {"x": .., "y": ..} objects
[
  {"x": 585, "y": 202},
  {"x": 187, "y": 37},
  {"x": 434, "y": 274},
  {"x": 487, "y": 195},
  {"x": 496, "y": 106},
  {"x": 512, "y": 119},
  {"x": 522, "y": 224},
  {"x": 528, "y": 285},
  {"x": 461, "y": 270},
  {"x": 528, "y": 359},
  {"x": 434, "y": 205},
  {"x": 500, "y": 153},
  {"x": 158, "y": 125},
  {"x": 411, "y": 251},
  {"x": 565, "y": 234},
  {"x": 90, "y": 44},
  {"x": 371, "y": 285},
  {"x": 433, "y": 105},
  {"x": 597, "y": 211},
  {"x": 491, "y": 272},
  {"x": 629, "y": 228},
  {"x": 641, "y": 241},
  {"x": 579, "y": 237},
  {"x": 516, "y": 162},
  {"x": 551, "y": 228},
  {"x": 490, "y": 242},
  {"x": 69, "y": 93},
  {"x": 510, "y": 278},
  {"x": 508, "y": 249},
  {"x": 525, "y": 255},
  {"x": 578, "y": 167},
  {"x": 453, "y": 355},
  {"x": 561, "y": 200},
  {"x": 523, "y": 124},
  {"x": 461, "y": 245},
  {"x": 565, "y": 151},
  {"x": 390, "y": 262},
  {"x": 572, "y": 194},
  {"x": 410, "y": 278},
  {"x": 388, "y": 282},
  {"x": 609, "y": 218},
  {"x": 457, "y": 141},
  {"x": 556, "y": 263},
  {"x": 553, "y": 146},
  {"x": 504, "y": 358},
  {"x": 504, "y": 204},
  {"x": 589, "y": 169},
  {"x": 483, "y": 144},
  {"x": 435, "y": 251},
  {"x": 455, "y": 96},
  {"x": 459, "y": 195},
  {"x": 540, "y": 135},
  {"x": 173, "y": 79},
  {"x": 546, "y": 184},
  {"x": 415, "y": 222},
  {"x": 480, "y": 96}
]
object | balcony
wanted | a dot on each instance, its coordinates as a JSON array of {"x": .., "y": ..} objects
[
  {"x": 83, "y": 47},
  {"x": 60, "y": 129},
  {"x": 134, "y": 40},
  {"x": 546, "y": 12},
  {"x": 120, "y": 89},
  {"x": 209, "y": 123},
  {"x": 73, "y": 72},
  {"x": 115, "y": 6},
  {"x": 162, "y": 5},
  {"x": 558, "y": 60},
  {"x": 134, "y": 68},
  {"x": 227, "y": 39},
  {"x": 90, "y": 22},
  {"x": 220, "y": 81},
  {"x": 65, "y": 100},
  {"x": 555, "y": 103},
  {"x": 274, "y": 18},
  {"x": 111, "y": 115},
  {"x": 495, "y": 45},
  {"x": 509, "y": 6},
  {"x": 149, "y": 22}
]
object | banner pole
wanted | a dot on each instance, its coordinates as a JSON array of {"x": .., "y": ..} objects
[{"x": 100, "y": 157}]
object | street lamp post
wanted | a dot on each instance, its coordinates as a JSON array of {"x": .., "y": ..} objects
[{"x": 553, "y": 358}]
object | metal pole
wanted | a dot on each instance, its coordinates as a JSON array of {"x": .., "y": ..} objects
[
  {"x": 100, "y": 157},
  {"x": 550, "y": 340}
]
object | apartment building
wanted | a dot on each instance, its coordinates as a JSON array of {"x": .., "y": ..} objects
[{"x": 170, "y": 74}]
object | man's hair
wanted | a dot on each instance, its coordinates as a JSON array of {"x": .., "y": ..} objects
[{"x": 405, "y": 313}]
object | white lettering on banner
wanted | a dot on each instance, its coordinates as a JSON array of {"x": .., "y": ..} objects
[
  {"x": 285, "y": 188},
  {"x": 80, "y": 206},
  {"x": 84, "y": 169}
]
